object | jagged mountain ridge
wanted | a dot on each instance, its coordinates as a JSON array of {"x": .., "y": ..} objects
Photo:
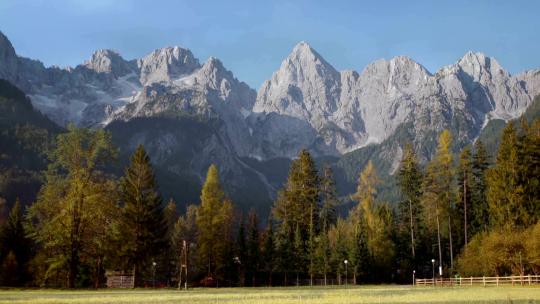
[
  {"x": 306, "y": 103},
  {"x": 163, "y": 99},
  {"x": 349, "y": 110}
]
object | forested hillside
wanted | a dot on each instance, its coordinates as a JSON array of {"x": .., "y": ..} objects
[{"x": 25, "y": 137}]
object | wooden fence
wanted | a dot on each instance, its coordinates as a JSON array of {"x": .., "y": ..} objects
[{"x": 483, "y": 281}]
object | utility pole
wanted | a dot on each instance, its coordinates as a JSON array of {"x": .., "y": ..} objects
[{"x": 183, "y": 265}]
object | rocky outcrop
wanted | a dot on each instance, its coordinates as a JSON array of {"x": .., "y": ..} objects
[
  {"x": 348, "y": 110},
  {"x": 166, "y": 64},
  {"x": 307, "y": 103}
]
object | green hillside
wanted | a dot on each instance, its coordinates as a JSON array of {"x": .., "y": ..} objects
[{"x": 24, "y": 138}]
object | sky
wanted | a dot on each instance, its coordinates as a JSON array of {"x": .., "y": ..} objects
[{"x": 253, "y": 37}]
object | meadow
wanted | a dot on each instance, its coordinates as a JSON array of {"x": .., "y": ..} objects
[{"x": 315, "y": 295}]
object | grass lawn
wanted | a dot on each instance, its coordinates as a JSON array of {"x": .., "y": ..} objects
[{"x": 360, "y": 294}]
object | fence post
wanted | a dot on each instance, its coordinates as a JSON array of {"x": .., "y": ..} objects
[
  {"x": 484, "y": 280},
  {"x": 497, "y": 280},
  {"x": 529, "y": 279}
]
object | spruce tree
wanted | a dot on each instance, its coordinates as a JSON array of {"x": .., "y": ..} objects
[
  {"x": 410, "y": 184},
  {"x": 170, "y": 255},
  {"x": 297, "y": 208},
  {"x": 479, "y": 206},
  {"x": 329, "y": 200},
  {"x": 253, "y": 247},
  {"x": 268, "y": 251},
  {"x": 505, "y": 194},
  {"x": 13, "y": 240},
  {"x": 327, "y": 218},
  {"x": 142, "y": 222},
  {"x": 464, "y": 178},
  {"x": 241, "y": 253},
  {"x": 530, "y": 168}
]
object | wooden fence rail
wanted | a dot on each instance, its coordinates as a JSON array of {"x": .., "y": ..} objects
[{"x": 484, "y": 281}]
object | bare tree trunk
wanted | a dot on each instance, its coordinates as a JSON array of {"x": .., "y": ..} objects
[
  {"x": 412, "y": 228},
  {"x": 73, "y": 268},
  {"x": 311, "y": 232},
  {"x": 451, "y": 249},
  {"x": 135, "y": 275}
]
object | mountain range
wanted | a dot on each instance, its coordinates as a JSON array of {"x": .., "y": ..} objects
[{"x": 189, "y": 115}]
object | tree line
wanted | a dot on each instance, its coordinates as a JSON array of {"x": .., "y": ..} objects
[{"x": 460, "y": 214}]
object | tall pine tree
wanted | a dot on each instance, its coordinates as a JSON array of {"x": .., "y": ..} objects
[
  {"x": 410, "y": 184},
  {"x": 479, "y": 206},
  {"x": 13, "y": 240},
  {"x": 505, "y": 193},
  {"x": 253, "y": 247},
  {"x": 142, "y": 223},
  {"x": 464, "y": 178},
  {"x": 297, "y": 208}
]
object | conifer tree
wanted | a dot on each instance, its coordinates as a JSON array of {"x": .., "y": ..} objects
[
  {"x": 479, "y": 207},
  {"x": 464, "y": 177},
  {"x": 358, "y": 256},
  {"x": 329, "y": 200},
  {"x": 530, "y": 168},
  {"x": 142, "y": 223},
  {"x": 268, "y": 250},
  {"x": 297, "y": 208},
  {"x": 13, "y": 240},
  {"x": 437, "y": 190},
  {"x": 299, "y": 253},
  {"x": 214, "y": 217},
  {"x": 505, "y": 192},
  {"x": 241, "y": 252},
  {"x": 327, "y": 218},
  {"x": 169, "y": 255},
  {"x": 410, "y": 184},
  {"x": 253, "y": 247},
  {"x": 373, "y": 217}
]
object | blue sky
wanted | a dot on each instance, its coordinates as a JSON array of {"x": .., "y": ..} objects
[{"x": 253, "y": 37}]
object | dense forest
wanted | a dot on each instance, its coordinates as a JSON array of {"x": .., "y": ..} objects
[
  {"x": 461, "y": 214},
  {"x": 472, "y": 214}
]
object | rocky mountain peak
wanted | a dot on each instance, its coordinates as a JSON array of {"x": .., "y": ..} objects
[
  {"x": 477, "y": 64},
  {"x": 108, "y": 61},
  {"x": 8, "y": 58},
  {"x": 167, "y": 64},
  {"x": 5, "y": 45},
  {"x": 305, "y": 86},
  {"x": 304, "y": 63}
]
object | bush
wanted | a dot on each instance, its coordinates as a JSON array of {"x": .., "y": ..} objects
[{"x": 502, "y": 252}]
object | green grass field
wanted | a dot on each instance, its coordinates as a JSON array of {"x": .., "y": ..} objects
[{"x": 364, "y": 294}]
